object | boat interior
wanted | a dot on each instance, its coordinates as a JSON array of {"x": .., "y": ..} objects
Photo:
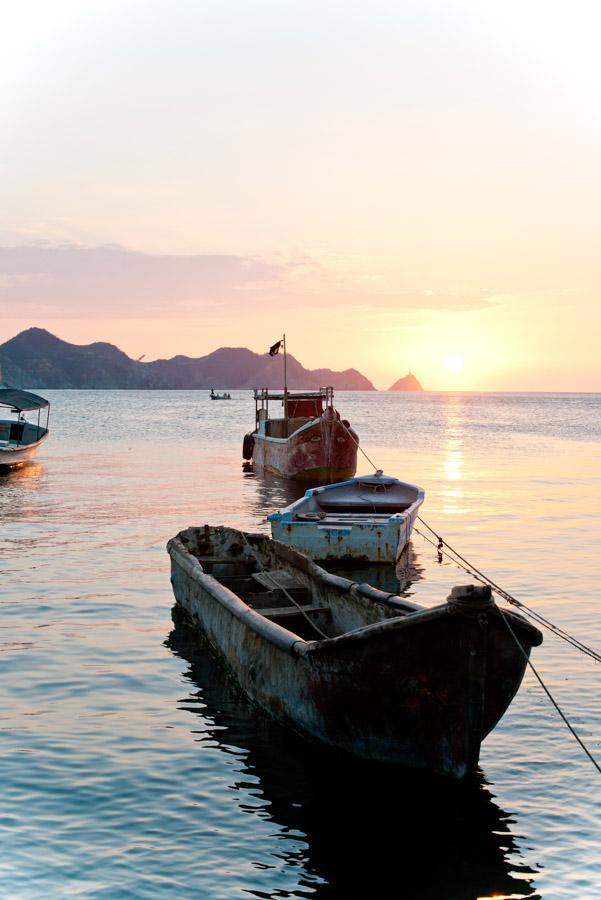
[
  {"x": 283, "y": 428},
  {"x": 19, "y": 433},
  {"x": 263, "y": 574},
  {"x": 301, "y": 409}
]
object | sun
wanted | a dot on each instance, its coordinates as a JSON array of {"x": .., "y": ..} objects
[{"x": 454, "y": 363}]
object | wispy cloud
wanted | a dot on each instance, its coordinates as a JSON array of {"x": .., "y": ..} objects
[{"x": 74, "y": 281}]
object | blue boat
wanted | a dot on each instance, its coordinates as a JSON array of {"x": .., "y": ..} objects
[{"x": 366, "y": 519}]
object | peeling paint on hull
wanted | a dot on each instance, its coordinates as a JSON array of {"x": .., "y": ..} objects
[
  {"x": 403, "y": 684},
  {"x": 324, "y": 451},
  {"x": 354, "y": 543},
  {"x": 369, "y": 518}
]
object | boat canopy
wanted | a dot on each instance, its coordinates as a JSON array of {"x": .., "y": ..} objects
[
  {"x": 297, "y": 404},
  {"x": 22, "y": 401}
]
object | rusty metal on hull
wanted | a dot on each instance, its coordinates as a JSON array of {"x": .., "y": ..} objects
[
  {"x": 308, "y": 442},
  {"x": 321, "y": 451},
  {"x": 392, "y": 681}
]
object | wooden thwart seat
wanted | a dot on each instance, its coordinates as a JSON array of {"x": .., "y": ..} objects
[
  {"x": 284, "y": 612},
  {"x": 277, "y": 578}
]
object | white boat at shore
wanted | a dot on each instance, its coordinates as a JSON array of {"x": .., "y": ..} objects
[
  {"x": 369, "y": 518},
  {"x": 20, "y": 438}
]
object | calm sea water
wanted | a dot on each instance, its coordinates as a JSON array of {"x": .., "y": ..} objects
[{"x": 130, "y": 768}]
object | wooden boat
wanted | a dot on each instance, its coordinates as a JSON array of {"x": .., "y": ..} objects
[
  {"x": 20, "y": 438},
  {"x": 309, "y": 443},
  {"x": 367, "y": 519},
  {"x": 216, "y": 396},
  {"x": 355, "y": 668}
]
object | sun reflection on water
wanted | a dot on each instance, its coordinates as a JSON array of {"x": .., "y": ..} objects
[{"x": 453, "y": 459}]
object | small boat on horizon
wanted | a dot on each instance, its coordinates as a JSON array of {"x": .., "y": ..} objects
[
  {"x": 366, "y": 519},
  {"x": 357, "y": 669},
  {"x": 216, "y": 396},
  {"x": 21, "y": 438}
]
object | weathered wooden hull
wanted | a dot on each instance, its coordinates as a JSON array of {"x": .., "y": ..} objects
[
  {"x": 420, "y": 689},
  {"x": 320, "y": 452}
]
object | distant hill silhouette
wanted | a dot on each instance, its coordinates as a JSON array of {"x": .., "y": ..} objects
[
  {"x": 37, "y": 359},
  {"x": 408, "y": 383}
]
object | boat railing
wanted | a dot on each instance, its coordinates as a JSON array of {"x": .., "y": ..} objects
[
  {"x": 295, "y": 399},
  {"x": 324, "y": 393}
]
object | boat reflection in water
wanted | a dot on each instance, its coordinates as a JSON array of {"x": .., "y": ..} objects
[
  {"x": 369, "y": 830},
  {"x": 28, "y": 470}
]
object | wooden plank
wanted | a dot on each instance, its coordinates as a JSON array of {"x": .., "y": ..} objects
[
  {"x": 284, "y": 612},
  {"x": 281, "y": 577},
  {"x": 263, "y": 599}
]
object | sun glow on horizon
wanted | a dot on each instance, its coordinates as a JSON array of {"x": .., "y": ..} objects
[{"x": 454, "y": 363}]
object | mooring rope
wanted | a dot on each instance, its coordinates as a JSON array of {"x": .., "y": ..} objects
[
  {"x": 462, "y": 563},
  {"x": 281, "y": 587},
  {"x": 472, "y": 570},
  {"x": 568, "y": 724},
  {"x": 359, "y": 447}
]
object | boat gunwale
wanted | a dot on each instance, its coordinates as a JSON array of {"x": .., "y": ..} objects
[
  {"x": 292, "y": 509},
  {"x": 296, "y": 646},
  {"x": 277, "y": 634},
  {"x": 408, "y": 613},
  {"x": 271, "y": 631},
  {"x": 420, "y": 617}
]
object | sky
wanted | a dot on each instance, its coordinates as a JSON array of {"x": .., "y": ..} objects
[{"x": 395, "y": 185}]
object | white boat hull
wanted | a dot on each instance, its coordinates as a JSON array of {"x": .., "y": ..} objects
[{"x": 17, "y": 455}]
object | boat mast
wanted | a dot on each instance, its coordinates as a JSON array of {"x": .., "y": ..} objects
[{"x": 285, "y": 381}]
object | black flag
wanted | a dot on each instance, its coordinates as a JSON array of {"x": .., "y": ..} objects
[{"x": 273, "y": 350}]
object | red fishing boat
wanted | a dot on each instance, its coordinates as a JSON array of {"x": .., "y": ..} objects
[{"x": 308, "y": 441}]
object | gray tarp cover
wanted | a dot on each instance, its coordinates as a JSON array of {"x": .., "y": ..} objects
[{"x": 21, "y": 400}]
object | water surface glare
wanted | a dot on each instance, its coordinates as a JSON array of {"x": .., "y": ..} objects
[{"x": 130, "y": 766}]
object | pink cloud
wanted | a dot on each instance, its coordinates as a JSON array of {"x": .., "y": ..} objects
[{"x": 72, "y": 281}]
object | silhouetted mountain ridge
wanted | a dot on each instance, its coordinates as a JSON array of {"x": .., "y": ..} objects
[{"x": 35, "y": 358}]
